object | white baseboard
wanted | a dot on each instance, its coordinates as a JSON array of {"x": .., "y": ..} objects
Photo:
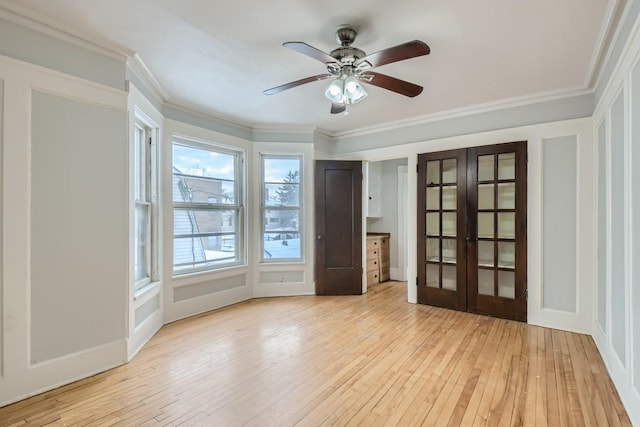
[
  {"x": 623, "y": 382},
  {"x": 144, "y": 333},
  {"x": 54, "y": 373}
]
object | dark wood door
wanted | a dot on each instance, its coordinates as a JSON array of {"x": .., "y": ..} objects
[
  {"x": 497, "y": 227},
  {"x": 338, "y": 199},
  {"x": 441, "y": 227},
  {"x": 472, "y": 225}
]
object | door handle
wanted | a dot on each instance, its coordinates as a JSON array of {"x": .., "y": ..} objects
[{"x": 319, "y": 237}]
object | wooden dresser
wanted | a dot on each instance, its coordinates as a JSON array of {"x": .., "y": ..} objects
[{"x": 377, "y": 257}]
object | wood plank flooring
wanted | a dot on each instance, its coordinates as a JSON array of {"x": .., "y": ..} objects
[{"x": 361, "y": 360}]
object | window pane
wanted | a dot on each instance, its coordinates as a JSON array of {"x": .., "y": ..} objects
[
  {"x": 281, "y": 220},
  {"x": 203, "y": 221},
  {"x": 207, "y": 236},
  {"x": 141, "y": 243},
  {"x": 281, "y": 245},
  {"x": 281, "y": 181},
  {"x": 139, "y": 164},
  {"x": 194, "y": 252},
  {"x": 281, "y": 194},
  {"x": 281, "y": 170},
  {"x": 281, "y": 227},
  {"x": 202, "y": 162},
  {"x": 192, "y": 189}
]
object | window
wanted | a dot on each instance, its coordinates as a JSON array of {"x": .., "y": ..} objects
[
  {"x": 281, "y": 203},
  {"x": 207, "y": 207},
  {"x": 144, "y": 265}
]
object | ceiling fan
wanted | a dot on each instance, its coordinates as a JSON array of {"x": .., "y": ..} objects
[{"x": 351, "y": 66}]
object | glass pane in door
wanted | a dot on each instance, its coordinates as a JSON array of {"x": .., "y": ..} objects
[
  {"x": 507, "y": 284},
  {"x": 485, "y": 225},
  {"x": 433, "y": 172},
  {"x": 449, "y": 224},
  {"x": 485, "y": 254},
  {"x": 485, "y": 282},
  {"x": 507, "y": 225},
  {"x": 449, "y": 171},
  {"x": 485, "y": 196},
  {"x": 433, "y": 250},
  {"x": 449, "y": 197},
  {"x": 433, "y": 223},
  {"x": 449, "y": 277},
  {"x": 507, "y": 166},
  {"x": 433, "y": 275},
  {"x": 486, "y": 168},
  {"x": 433, "y": 198},
  {"x": 507, "y": 195},
  {"x": 506, "y": 254},
  {"x": 449, "y": 247}
]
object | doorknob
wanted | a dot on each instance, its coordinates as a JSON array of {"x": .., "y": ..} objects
[{"x": 319, "y": 237}]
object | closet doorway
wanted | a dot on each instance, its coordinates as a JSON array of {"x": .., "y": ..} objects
[{"x": 472, "y": 228}]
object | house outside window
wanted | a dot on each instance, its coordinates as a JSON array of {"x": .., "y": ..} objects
[
  {"x": 144, "y": 254},
  {"x": 207, "y": 207},
  {"x": 281, "y": 205}
]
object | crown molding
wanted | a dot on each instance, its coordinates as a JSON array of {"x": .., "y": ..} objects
[
  {"x": 465, "y": 111},
  {"x": 609, "y": 33},
  {"x": 27, "y": 17},
  {"x": 206, "y": 115},
  {"x": 140, "y": 69}
]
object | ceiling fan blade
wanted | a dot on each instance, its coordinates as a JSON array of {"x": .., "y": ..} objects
[
  {"x": 290, "y": 85},
  {"x": 394, "y": 54},
  {"x": 311, "y": 51},
  {"x": 391, "y": 83},
  {"x": 338, "y": 107}
]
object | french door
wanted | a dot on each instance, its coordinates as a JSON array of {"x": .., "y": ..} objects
[{"x": 472, "y": 230}]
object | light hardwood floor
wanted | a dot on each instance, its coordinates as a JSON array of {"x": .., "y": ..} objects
[{"x": 362, "y": 360}]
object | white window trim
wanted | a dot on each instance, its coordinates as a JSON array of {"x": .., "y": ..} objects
[
  {"x": 299, "y": 208},
  {"x": 240, "y": 172},
  {"x": 151, "y": 132}
]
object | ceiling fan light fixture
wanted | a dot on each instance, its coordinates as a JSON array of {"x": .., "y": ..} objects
[
  {"x": 335, "y": 91},
  {"x": 353, "y": 90}
]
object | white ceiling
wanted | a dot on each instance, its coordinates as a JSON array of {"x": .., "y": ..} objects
[{"x": 218, "y": 56}]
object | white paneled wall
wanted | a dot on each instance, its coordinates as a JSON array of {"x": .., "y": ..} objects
[
  {"x": 64, "y": 227},
  {"x": 616, "y": 328}
]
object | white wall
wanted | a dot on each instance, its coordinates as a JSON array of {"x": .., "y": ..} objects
[
  {"x": 64, "y": 228},
  {"x": 616, "y": 326}
]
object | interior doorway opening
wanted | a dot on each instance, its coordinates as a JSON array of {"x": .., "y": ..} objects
[{"x": 385, "y": 221}]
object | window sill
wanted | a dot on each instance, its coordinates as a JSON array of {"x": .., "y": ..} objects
[{"x": 146, "y": 291}]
